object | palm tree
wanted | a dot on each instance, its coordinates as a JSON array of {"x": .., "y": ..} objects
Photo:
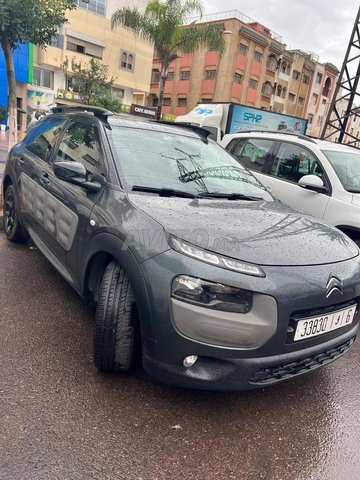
[{"x": 164, "y": 24}]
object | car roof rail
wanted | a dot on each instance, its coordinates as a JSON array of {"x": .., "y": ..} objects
[
  {"x": 297, "y": 135},
  {"x": 101, "y": 113},
  {"x": 203, "y": 132}
]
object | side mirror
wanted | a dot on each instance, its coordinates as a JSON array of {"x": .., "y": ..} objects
[
  {"x": 312, "y": 182},
  {"x": 75, "y": 172}
]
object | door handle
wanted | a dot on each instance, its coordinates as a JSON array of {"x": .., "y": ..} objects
[{"x": 20, "y": 160}]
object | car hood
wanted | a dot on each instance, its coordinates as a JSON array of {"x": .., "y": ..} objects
[{"x": 265, "y": 233}]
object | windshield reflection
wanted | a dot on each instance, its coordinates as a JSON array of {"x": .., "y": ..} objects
[
  {"x": 347, "y": 168},
  {"x": 169, "y": 160}
]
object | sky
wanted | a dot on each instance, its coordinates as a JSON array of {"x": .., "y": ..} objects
[{"x": 323, "y": 27}]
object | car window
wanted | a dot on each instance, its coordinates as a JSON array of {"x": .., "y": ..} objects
[
  {"x": 252, "y": 153},
  {"x": 347, "y": 167},
  {"x": 81, "y": 143},
  {"x": 42, "y": 137},
  {"x": 292, "y": 162},
  {"x": 163, "y": 159}
]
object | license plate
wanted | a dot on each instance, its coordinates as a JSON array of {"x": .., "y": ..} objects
[{"x": 313, "y": 326}]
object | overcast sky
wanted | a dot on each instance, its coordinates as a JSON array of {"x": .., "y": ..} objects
[{"x": 320, "y": 26}]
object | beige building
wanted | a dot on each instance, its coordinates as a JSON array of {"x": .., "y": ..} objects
[
  {"x": 256, "y": 69},
  {"x": 88, "y": 35}
]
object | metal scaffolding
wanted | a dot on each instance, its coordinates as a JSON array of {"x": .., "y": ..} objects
[{"x": 346, "y": 92}]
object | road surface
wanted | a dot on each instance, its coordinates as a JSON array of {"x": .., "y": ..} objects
[{"x": 61, "y": 419}]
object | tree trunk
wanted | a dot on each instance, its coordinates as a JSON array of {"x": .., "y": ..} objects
[
  {"x": 12, "y": 107},
  {"x": 163, "y": 77}
]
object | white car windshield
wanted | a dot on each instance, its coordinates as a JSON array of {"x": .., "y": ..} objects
[
  {"x": 347, "y": 167},
  {"x": 166, "y": 160}
]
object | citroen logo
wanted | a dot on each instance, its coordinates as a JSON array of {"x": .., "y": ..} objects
[{"x": 334, "y": 284}]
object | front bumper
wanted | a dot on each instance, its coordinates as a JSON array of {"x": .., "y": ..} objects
[
  {"x": 229, "y": 374},
  {"x": 296, "y": 290}
]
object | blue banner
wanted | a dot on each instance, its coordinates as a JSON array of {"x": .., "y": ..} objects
[{"x": 247, "y": 118}]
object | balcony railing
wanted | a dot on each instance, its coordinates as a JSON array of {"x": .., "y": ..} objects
[{"x": 214, "y": 17}]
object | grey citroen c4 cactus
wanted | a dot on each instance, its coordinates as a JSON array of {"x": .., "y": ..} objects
[{"x": 188, "y": 259}]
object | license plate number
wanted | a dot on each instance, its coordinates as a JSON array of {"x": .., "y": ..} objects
[{"x": 313, "y": 326}]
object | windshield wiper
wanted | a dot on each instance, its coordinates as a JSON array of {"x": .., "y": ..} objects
[
  {"x": 228, "y": 196},
  {"x": 164, "y": 192}
]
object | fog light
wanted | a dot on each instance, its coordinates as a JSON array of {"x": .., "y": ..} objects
[{"x": 190, "y": 361}]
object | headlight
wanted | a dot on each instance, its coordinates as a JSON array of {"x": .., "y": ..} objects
[
  {"x": 215, "y": 259},
  {"x": 212, "y": 295}
]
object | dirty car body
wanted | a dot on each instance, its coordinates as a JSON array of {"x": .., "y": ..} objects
[{"x": 232, "y": 289}]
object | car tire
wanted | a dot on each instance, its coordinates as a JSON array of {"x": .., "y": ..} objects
[
  {"x": 13, "y": 229},
  {"x": 115, "y": 322}
]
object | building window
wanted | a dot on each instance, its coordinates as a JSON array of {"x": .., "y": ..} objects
[
  {"x": 291, "y": 97},
  {"x": 85, "y": 48},
  {"x": 243, "y": 49},
  {"x": 257, "y": 56},
  {"x": 311, "y": 118},
  {"x": 155, "y": 76},
  {"x": 206, "y": 100},
  {"x": 74, "y": 47},
  {"x": 327, "y": 87},
  {"x": 306, "y": 79},
  {"x": 118, "y": 93},
  {"x": 127, "y": 61},
  {"x": 210, "y": 74},
  {"x": 323, "y": 101},
  {"x": 267, "y": 89},
  {"x": 301, "y": 100},
  {"x": 296, "y": 75},
  {"x": 253, "y": 83},
  {"x": 167, "y": 102},
  {"x": 185, "y": 75},
  {"x": 72, "y": 85},
  {"x": 43, "y": 78},
  {"x": 314, "y": 99},
  {"x": 285, "y": 68},
  {"x": 94, "y": 6},
  {"x": 154, "y": 101},
  {"x": 182, "y": 102},
  {"x": 57, "y": 41},
  {"x": 170, "y": 76},
  {"x": 238, "y": 78},
  {"x": 319, "y": 121},
  {"x": 271, "y": 63},
  {"x": 319, "y": 77}
]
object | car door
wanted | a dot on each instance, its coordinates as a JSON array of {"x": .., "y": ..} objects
[
  {"x": 31, "y": 161},
  {"x": 70, "y": 205},
  {"x": 290, "y": 163}
]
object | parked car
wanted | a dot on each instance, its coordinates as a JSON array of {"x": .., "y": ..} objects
[
  {"x": 182, "y": 251},
  {"x": 317, "y": 177}
]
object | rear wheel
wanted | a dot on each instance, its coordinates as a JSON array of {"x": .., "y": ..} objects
[
  {"x": 115, "y": 322},
  {"x": 14, "y": 231}
]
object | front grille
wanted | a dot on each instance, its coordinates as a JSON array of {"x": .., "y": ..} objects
[{"x": 290, "y": 370}]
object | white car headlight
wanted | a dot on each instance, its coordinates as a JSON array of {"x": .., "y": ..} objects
[{"x": 215, "y": 259}]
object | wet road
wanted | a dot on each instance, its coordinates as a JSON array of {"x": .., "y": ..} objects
[{"x": 60, "y": 419}]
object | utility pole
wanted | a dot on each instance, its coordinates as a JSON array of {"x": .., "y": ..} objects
[{"x": 346, "y": 92}]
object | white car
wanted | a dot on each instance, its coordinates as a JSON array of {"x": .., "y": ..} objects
[{"x": 317, "y": 177}]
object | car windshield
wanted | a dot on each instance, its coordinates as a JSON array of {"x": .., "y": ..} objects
[
  {"x": 347, "y": 167},
  {"x": 165, "y": 160}
]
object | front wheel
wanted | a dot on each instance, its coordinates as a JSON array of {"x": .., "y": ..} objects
[
  {"x": 115, "y": 322},
  {"x": 14, "y": 231}
]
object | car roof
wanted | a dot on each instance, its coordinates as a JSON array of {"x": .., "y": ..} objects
[
  {"x": 293, "y": 137},
  {"x": 130, "y": 121}
]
